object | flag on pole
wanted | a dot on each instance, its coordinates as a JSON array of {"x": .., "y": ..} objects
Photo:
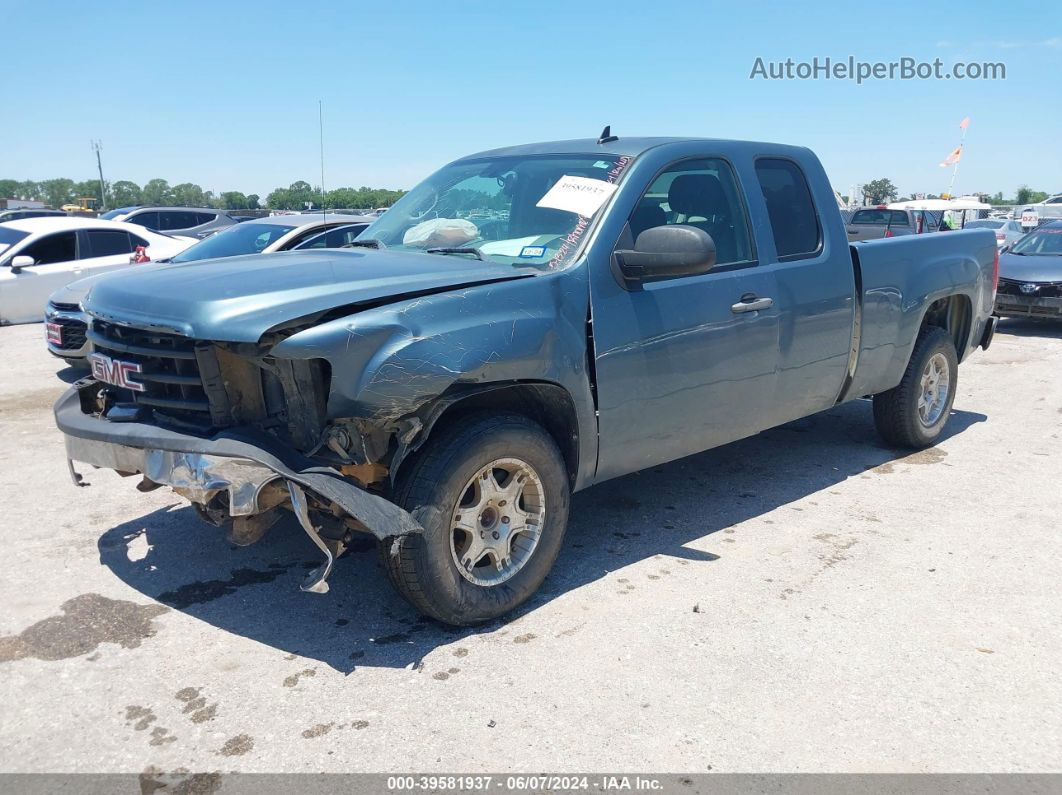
[
  {"x": 964, "y": 123},
  {"x": 953, "y": 157}
]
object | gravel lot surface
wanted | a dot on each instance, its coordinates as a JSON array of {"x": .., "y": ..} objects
[{"x": 805, "y": 600}]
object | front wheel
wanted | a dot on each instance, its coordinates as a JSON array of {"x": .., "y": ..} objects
[
  {"x": 913, "y": 413},
  {"x": 491, "y": 492}
]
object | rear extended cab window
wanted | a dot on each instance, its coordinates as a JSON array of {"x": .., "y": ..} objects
[{"x": 794, "y": 219}]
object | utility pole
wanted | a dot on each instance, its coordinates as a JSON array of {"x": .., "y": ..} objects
[
  {"x": 320, "y": 128},
  {"x": 97, "y": 146}
]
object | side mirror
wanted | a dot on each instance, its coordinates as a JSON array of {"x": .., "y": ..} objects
[
  {"x": 1004, "y": 249},
  {"x": 667, "y": 252},
  {"x": 20, "y": 262}
]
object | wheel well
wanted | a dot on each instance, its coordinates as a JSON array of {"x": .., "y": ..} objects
[
  {"x": 547, "y": 404},
  {"x": 953, "y": 314}
]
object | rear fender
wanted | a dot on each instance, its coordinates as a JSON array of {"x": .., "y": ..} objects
[{"x": 902, "y": 278}]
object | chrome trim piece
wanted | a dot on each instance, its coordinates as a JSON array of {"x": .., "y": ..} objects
[{"x": 195, "y": 476}]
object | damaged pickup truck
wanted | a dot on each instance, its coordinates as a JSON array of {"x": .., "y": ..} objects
[{"x": 521, "y": 325}]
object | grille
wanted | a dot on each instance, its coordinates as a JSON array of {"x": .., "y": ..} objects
[
  {"x": 65, "y": 307},
  {"x": 73, "y": 333},
  {"x": 170, "y": 370},
  {"x": 1047, "y": 289},
  {"x": 202, "y": 386}
]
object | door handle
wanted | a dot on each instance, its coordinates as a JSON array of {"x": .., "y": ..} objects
[{"x": 750, "y": 303}]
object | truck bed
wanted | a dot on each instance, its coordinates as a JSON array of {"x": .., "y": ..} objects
[{"x": 897, "y": 279}]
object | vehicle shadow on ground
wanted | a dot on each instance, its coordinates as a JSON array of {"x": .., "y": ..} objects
[
  {"x": 253, "y": 591},
  {"x": 1021, "y": 327}
]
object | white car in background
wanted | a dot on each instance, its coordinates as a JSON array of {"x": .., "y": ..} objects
[
  {"x": 67, "y": 322},
  {"x": 40, "y": 255}
]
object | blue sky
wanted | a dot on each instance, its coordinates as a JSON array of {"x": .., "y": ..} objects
[{"x": 225, "y": 94}]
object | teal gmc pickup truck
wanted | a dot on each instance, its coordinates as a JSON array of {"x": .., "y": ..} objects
[{"x": 523, "y": 324}]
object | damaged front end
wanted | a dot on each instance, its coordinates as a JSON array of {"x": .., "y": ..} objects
[{"x": 242, "y": 437}]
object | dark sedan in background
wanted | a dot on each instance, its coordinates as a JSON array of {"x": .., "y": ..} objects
[{"x": 1030, "y": 275}]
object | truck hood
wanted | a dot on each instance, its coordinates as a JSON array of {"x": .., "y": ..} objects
[
  {"x": 1030, "y": 268},
  {"x": 238, "y": 299}
]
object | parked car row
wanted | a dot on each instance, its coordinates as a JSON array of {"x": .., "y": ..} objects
[
  {"x": 186, "y": 221},
  {"x": 23, "y": 213},
  {"x": 1050, "y": 209},
  {"x": 67, "y": 322}
]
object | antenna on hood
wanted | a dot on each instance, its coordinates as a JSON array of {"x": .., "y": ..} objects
[{"x": 606, "y": 136}]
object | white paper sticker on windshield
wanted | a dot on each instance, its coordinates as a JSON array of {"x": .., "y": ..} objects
[{"x": 580, "y": 195}]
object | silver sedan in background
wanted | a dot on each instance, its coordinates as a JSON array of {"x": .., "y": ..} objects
[{"x": 1007, "y": 232}]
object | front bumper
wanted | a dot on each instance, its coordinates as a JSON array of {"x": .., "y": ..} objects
[
  {"x": 1028, "y": 306},
  {"x": 200, "y": 468}
]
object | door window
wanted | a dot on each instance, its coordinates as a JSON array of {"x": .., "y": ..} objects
[
  {"x": 794, "y": 220},
  {"x": 148, "y": 220},
  {"x": 61, "y": 247},
  {"x": 701, "y": 193},
  {"x": 176, "y": 219},
  {"x": 108, "y": 242}
]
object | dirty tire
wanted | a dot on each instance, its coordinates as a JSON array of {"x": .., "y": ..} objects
[
  {"x": 421, "y": 567},
  {"x": 896, "y": 411}
]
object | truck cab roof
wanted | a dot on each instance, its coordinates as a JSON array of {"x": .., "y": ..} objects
[{"x": 632, "y": 146}]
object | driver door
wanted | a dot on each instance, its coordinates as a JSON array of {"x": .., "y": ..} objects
[
  {"x": 55, "y": 265},
  {"x": 685, "y": 364}
]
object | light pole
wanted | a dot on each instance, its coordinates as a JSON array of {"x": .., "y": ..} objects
[{"x": 97, "y": 146}]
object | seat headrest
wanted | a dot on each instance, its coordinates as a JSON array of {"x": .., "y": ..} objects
[{"x": 697, "y": 194}]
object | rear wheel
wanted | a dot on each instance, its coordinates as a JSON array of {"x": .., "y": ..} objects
[
  {"x": 491, "y": 492},
  {"x": 913, "y": 413}
]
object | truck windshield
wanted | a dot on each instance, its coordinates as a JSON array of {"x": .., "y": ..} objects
[
  {"x": 521, "y": 210},
  {"x": 1041, "y": 243},
  {"x": 245, "y": 238}
]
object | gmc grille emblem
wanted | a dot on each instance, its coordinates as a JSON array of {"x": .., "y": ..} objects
[{"x": 115, "y": 371}]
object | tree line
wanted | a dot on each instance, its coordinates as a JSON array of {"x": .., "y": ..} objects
[
  {"x": 881, "y": 191},
  {"x": 159, "y": 193}
]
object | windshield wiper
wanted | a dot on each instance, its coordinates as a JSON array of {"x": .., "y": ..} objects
[
  {"x": 371, "y": 242},
  {"x": 458, "y": 250}
]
